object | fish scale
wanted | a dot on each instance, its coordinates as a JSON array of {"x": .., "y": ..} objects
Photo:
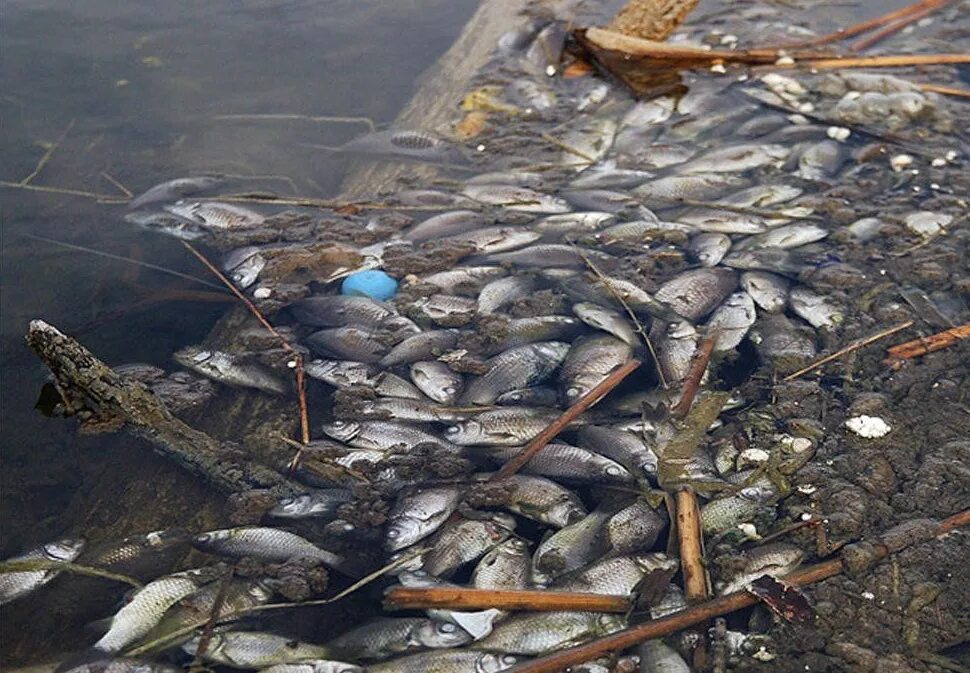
[
  {"x": 518, "y": 367},
  {"x": 545, "y": 632}
]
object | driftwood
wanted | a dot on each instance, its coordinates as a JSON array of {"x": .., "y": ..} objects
[{"x": 102, "y": 400}]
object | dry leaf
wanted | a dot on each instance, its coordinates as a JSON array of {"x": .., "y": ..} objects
[
  {"x": 472, "y": 125},
  {"x": 652, "y": 19}
]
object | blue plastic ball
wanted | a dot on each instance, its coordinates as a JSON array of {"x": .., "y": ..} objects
[{"x": 373, "y": 283}]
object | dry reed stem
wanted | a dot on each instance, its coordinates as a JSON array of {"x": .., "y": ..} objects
[
  {"x": 121, "y": 188},
  {"x": 865, "y": 26},
  {"x": 944, "y": 90},
  {"x": 47, "y": 155},
  {"x": 206, "y": 636},
  {"x": 923, "y": 345},
  {"x": 893, "y": 28},
  {"x": 854, "y": 346},
  {"x": 692, "y": 383},
  {"x": 534, "y": 600}
]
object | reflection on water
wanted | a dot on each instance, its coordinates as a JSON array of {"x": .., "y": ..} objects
[{"x": 140, "y": 86}]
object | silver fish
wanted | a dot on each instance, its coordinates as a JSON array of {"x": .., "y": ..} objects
[
  {"x": 787, "y": 236},
  {"x": 777, "y": 340},
  {"x": 721, "y": 221},
  {"x": 315, "y": 666},
  {"x": 634, "y": 528},
  {"x": 121, "y": 665},
  {"x": 499, "y": 293},
  {"x": 642, "y": 230},
  {"x": 418, "y": 513},
  {"x": 548, "y": 328},
  {"x": 606, "y": 174},
  {"x": 148, "y": 606},
  {"x": 518, "y": 367},
  {"x": 267, "y": 544},
  {"x": 567, "y": 463},
  {"x": 166, "y": 223},
  {"x": 536, "y": 396},
  {"x": 569, "y": 548},
  {"x": 821, "y": 160},
  {"x": 218, "y": 216},
  {"x": 762, "y": 196},
  {"x": 731, "y": 321},
  {"x": 421, "y": 346},
  {"x": 540, "y": 633},
  {"x": 776, "y": 260},
  {"x": 16, "y": 584},
  {"x": 446, "y": 309},
  {"x": 508, "y": 426},
  {"x": 344, "y": 310},
  {"x": 521, "y": 199},
  {"x": 420, "y": 198},
  {"x": 448, "y": 661},
  {"x": 710, "y": 248},
  {"x": 244, "y": 265},
  {"x": 551, "y": 255},
  {"x": 608, "y": 320},
  {"x": 657, "y": 657},
  {"x": 319, "y": 502},
  {"x": 617, "y": 576},
  {"x": 344, "y": 374},
  {"x": 478, "y": 624},
  {"x": 251, "y": 649},
  {"x": 590, "y": 361},
  {"x": 769, "y": 291},
  {"x": 698, "y": 186},
  {"x": 349, "y": 343},
  {"x": 675, "y": 343},
  {"x": 445, "y": 224},
  {"x": 774, "y": 559},
  {"x": 736, "y": 159},
  {"x": 406, "y": 143},
  {"x": 543, "y": 500},
  {"x": 817, "y": 310},
  {"x": 437, "y": 380},
  {"x": 497, "y": 239},
  {"x": 589, "y": 140},
  {"x": 648, "y": 112},
  {"x": 403, "y": 409},
  {"x": 606, "y": 200},
  {"x": 463, "y": 278},
  {"x": 505, "y": 566},
  {"x": 228, "y": 369},
  {"x": 382, "y": 435},
  {"x": 172, "y": 190},
  {"x": 386, "y": 637},
  {"x": 465, "y": 540},
  {"x": 569, "y": 222},
  {"x": 626, "y": 448},
  {"x": 695, "y": 293}
]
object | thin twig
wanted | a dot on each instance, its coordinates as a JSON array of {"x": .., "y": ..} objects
[
  {"x": 690, "y": 544},
  {"x": 121, "y": 188},
  {"x": 298, "y": 117},
  {"x": 297, "y": 357},
  {"x": 854, "y": 346},
  {"x": 47, "y": 155},
  {"x": 535, "y": 600},
  {"x": 692, "y": 382},
  {"x": 206, "y": 637},
  {"x": 923, "y": 345},
  {"x": 102, "y": 198},
  {"x": 567, "y": 417},
  {"x": 864, "y": 26},
  {"x": 701, "y": 612},
  {"x": 567, "y": 148},
  {"x": 34, "y": 565},
  {"x": 898, "y": 25},
  {"x": 889, "y": 61},
  {"x": 945, "y": 90},
  {"x": 629, "y": 311}
]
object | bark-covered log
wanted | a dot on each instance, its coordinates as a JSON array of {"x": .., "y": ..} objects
[{"x": 103, "y": 400}]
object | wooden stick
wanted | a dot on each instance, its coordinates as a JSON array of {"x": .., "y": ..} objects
[
  {"x": 923, "y": 345},
  {"x": 854, "y": 346},
  {"x": 879, "y": 61},
  {"x": 945, "y": 90},
  {"x": 121, "y": 188},
  {"x": 47, "y": 155},
  {"x": 567, "y": 417},
  {"x": 692, "y": 383},
  {"x": 207, "y": 631},
  {"x": 689, "y": 541},
  {"x": 106, "y": 198},
  {"x": 699, "y": 613},
  {"x": 895, "y": 27},
  {"x": 534, "y": 600},
  {"x": 297, "y": 357},
  {"x": 865, "y": 26}
]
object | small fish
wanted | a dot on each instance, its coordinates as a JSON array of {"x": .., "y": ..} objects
[
  {"x": 774, "y": 559},
  {"x": 695, "y": 293},
  {"x": 314, "y": 666},
  {"x": 570, "y": 222},
  {"x": 422, "y": 346},
  {"x": 507, "y": 426},
  {"x": 434, "y": 198},
  {"x": 769, "y": 291},
  {"x": 716, "y": 220},
  {"x": 228, "y": 369},
  {"x": 776, "y": 260},
  {"x": 448, "y": 661},
  {"x": 821, "y": 160},
  {"x": 590, "y": 361},
  {"x": 657, "y": 657},
  {"x": 349, "y": 311},
  {"x": 606, "y": 175},
  {"x": 403, "y": 409},
  {"x": 447, "y": 310},
  {"x": 569, "y": 548},
  {"x": 349, "y": 343},
  {"x": 505, "y": 566},
  {"x": 672, "y": 189},
  {"x": 445, "y": 224},
  {"x": 504, "y": 291},
  {"x": 817, "y": 310},
  {"x": 605, "y": 200},
  {"x": 437, "y": 380},
  {"x": 778, "y": 340},
  {"x": 121, "y": 665},
  {"x": 736, "y": 159},
  {"x": 319, "y": 502},
  {"x": 710, "y": 248},
  {"x": 675, "y": 343},
  {"x": 617, "y": 576},
  {"x": 405, "y": 143},
  {"x": 536, "y": 396},
  {"x": 218, "y": 216},
  {"x": 520, "y": 199},
  {"x": 626, "y": 448},
  {"x": 383, "y": 436},
  {"x": 589, "y": 139},
  {"x": 145, "y": 555},
  {"x": 16, "y": 584},
  {"x": 551, "y": 255},
  {"x": 540, "y": 633},
  {"x": 178, "y": 188},
  {"x": 418, "y": 513},
  {"x": 271, "y": 545},
  {"x": 244, "y": 265},
  {"x": 166, "y": 223},
  {"x": 762, "y": 196},
  {"x": 456, "y": 280},
  {"x": 649, "y": 112},
  {"x": 642, "y": 230},
  {"x": 465, "y": 540},
  {"x": 344, "y": 374},
  {"x": 731, "y": 321},
  {"x": 787, "y": 236},
  {"x": 567, "y": 463},
  {"x": 253, "y": 649},
  {"x": 387, "y": 637},
  {"x": 543, "y": 500},
  {"x": 497, "y": 239},
  {"x": 523, "y": 331},
  {"x": 517, "y": 367},
  {"x": 608, "y": 320},
  {"x": 634, "y": 528}
]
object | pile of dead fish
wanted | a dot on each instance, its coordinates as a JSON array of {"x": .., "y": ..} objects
[{"x": 648, "y": 223}]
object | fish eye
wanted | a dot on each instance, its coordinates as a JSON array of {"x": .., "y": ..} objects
[
  {"x": 509, "y": 659},
  {"x": 572, "y": 392},
  {"x": 452, "y": 429},
  {"x": 447, "y": 628},
  {"x": 339, "y": 424},
  {"x": 614, "y": 471},
  {"x": 286, "y": 502},
  {"x": 393, "y": 533},
  {"x": 205, "y": 537},
  {"x": 450, "y": 390}
]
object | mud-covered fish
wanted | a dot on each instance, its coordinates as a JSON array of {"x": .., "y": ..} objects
[
  {"x": 418, "y": 513},
  {"x": 422, "y": 346},
  {"x": 349, "y": 343},
  {"x": 147, "y": 555},
  {"x": 387, "y": 637},
  {"x": 345, "y": 374},
  {"x": 504, "y": 291},
  {"x": 229, "y": 369},
  {"x": 544, "y": 328},
  {"x": 547, "y": 255},
  {"x": 774, "y": 559},
  {"x": 121, "y": 665},
  {"x": 617, "y": 576},
  {"x": 487, "y": 240},
  {"x": 590, "y": 361},
  {"x": 817, "y": 310},
  {"x": 253, "y": 649},
  {"x": 16, "y": 584},
  {"x": 517, "y": 367},
  {"x": 569, "y": 548},
  {"x": 543, "y": 500},
  {"x": 463, "y": 279},
  {"x": 243, "y": 265},
  {"x": 383, "y": 435},
  {"x": 345, "y": 310},
  {"x": 446, "y": 310}
]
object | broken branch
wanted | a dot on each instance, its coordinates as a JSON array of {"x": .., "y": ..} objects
[
  {"x": 461, "y": 598},
  {"x": 918, "y": 13},
  {"x": 692, "y": 383},
  {"x": 923, "y": 345},
  {"x": 866, "y": 26},
  {"x": 854, "y": 346},
  {"x": 690, "y": 544}
]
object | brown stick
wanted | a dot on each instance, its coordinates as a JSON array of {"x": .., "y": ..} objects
[
  {"x": 692, "y": 383},
  {"x": 47, "y": 155},
  {"x": 689, "y": 540},
  {"x": 297, "y": 357},
  {"x": 699, "y": 613},
  {"x": 207, "y": 631},
  {"x": 854, "y": 346},
  {"x": 567, "y": 417},
  {"x": 945, "y": 90},
  {"x": 461, "y": 598},
  {"x": 865, "y": 26},
  {"x": 881, "y": 61},
  {"x": 923, "y": 345},
  {"x": 893, "y": 28}
]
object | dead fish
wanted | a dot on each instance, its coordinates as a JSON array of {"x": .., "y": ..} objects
[
  {"x": 675, "y": 343},
  {"x": 178, "y": 188},
  {"x": 267, "y": 544},
  {"x": 403, "y": 409},
  {"x": 821, "y": 160},
  {"x": 590, "y": 361},
  {"x": 603, "y": 200},
  {"x": 229, "y": 369},
  {"x": 16, "y": 584},
  {"x": 693, "y": 294},
  {"x": 608, "y": 320},
  {"x": 776, "y": 260},
  {"x": 731, "y": 321},
  {"x": 626, "y": 448},
  {"x": 769, "y": 291},
  {"x": 349, "y": 343},
  {"x": 774, "y": 559},
  {"x": 447, "y": 310},
  {"x": 710, "y": 248},
  {"x": 777, "y": 340},
  {"x": 433, "y": 198},
  {"x": 527, "y": 93},
  {"x": 146, "y": 555},
  {"x": 249, "y": 649},
  {"x": 318, "y": 502},
  {"x": 518, "y": 367},
  {"x": 383, "y": 435},
  {"x": 540, "y": 633},
  {"x": 657, "y": 657},
  {"x": 639, "y": 300},
  {"x": 762, "y": 196},
  {"x": 455, "y": 280},
  {"x": 520, "y": 199},
  {"x": 542, "y": 500},
  {"x": 589, "y": 140},
  {"x": 721, "y": 221},
  {"x": 478, "y": 624},
  {"x": 570, "y": 548},
  {"x": 437, "y": 380},
  {"x": 422, "y": 346},
  {"x": 166, "y": 223},
  {"x": 551, "y": 255},
  {"x": 409, "y": 144},
  {"x": 672, "y": 189},
  {"x": 617, "y": 576},
  {"x": 508, "y": 426},
  {"x": 569, "y": 222},
  {"x": 504, "y": 291},
  {"x": 345, "y": 374},
  {"x": 736, "y": 159},
  {"x": 497, "y": 239},
  {"x": 243, "y": 265},
  {"x": 314, "y": 666},
  {"x": 349, "y": 311},
  {"x": 815, "y": 309},
  {"x": 639, "y": 148},
  {"x": 567, "y": 463},
  {"x": 787, "y": 236},
  {"x": 536, "y": 396},
  {"x": 445, "y": 224},
  {"x": 505, "y": 566},
  {"x": 386, "y": 637},
  {"x": 649, "y": 112},
  {"x": 634, "y": 528},
  {"x": 465, "y": 540},
  {"x": 607, "y": 175},
  {"x": 524, "y": 331},
  {"x": 643, "y": 230},
  {"x": 418, "y": 513},
  {"x": 448, "y": 661},
  {"x": 214, "y": 215}
]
